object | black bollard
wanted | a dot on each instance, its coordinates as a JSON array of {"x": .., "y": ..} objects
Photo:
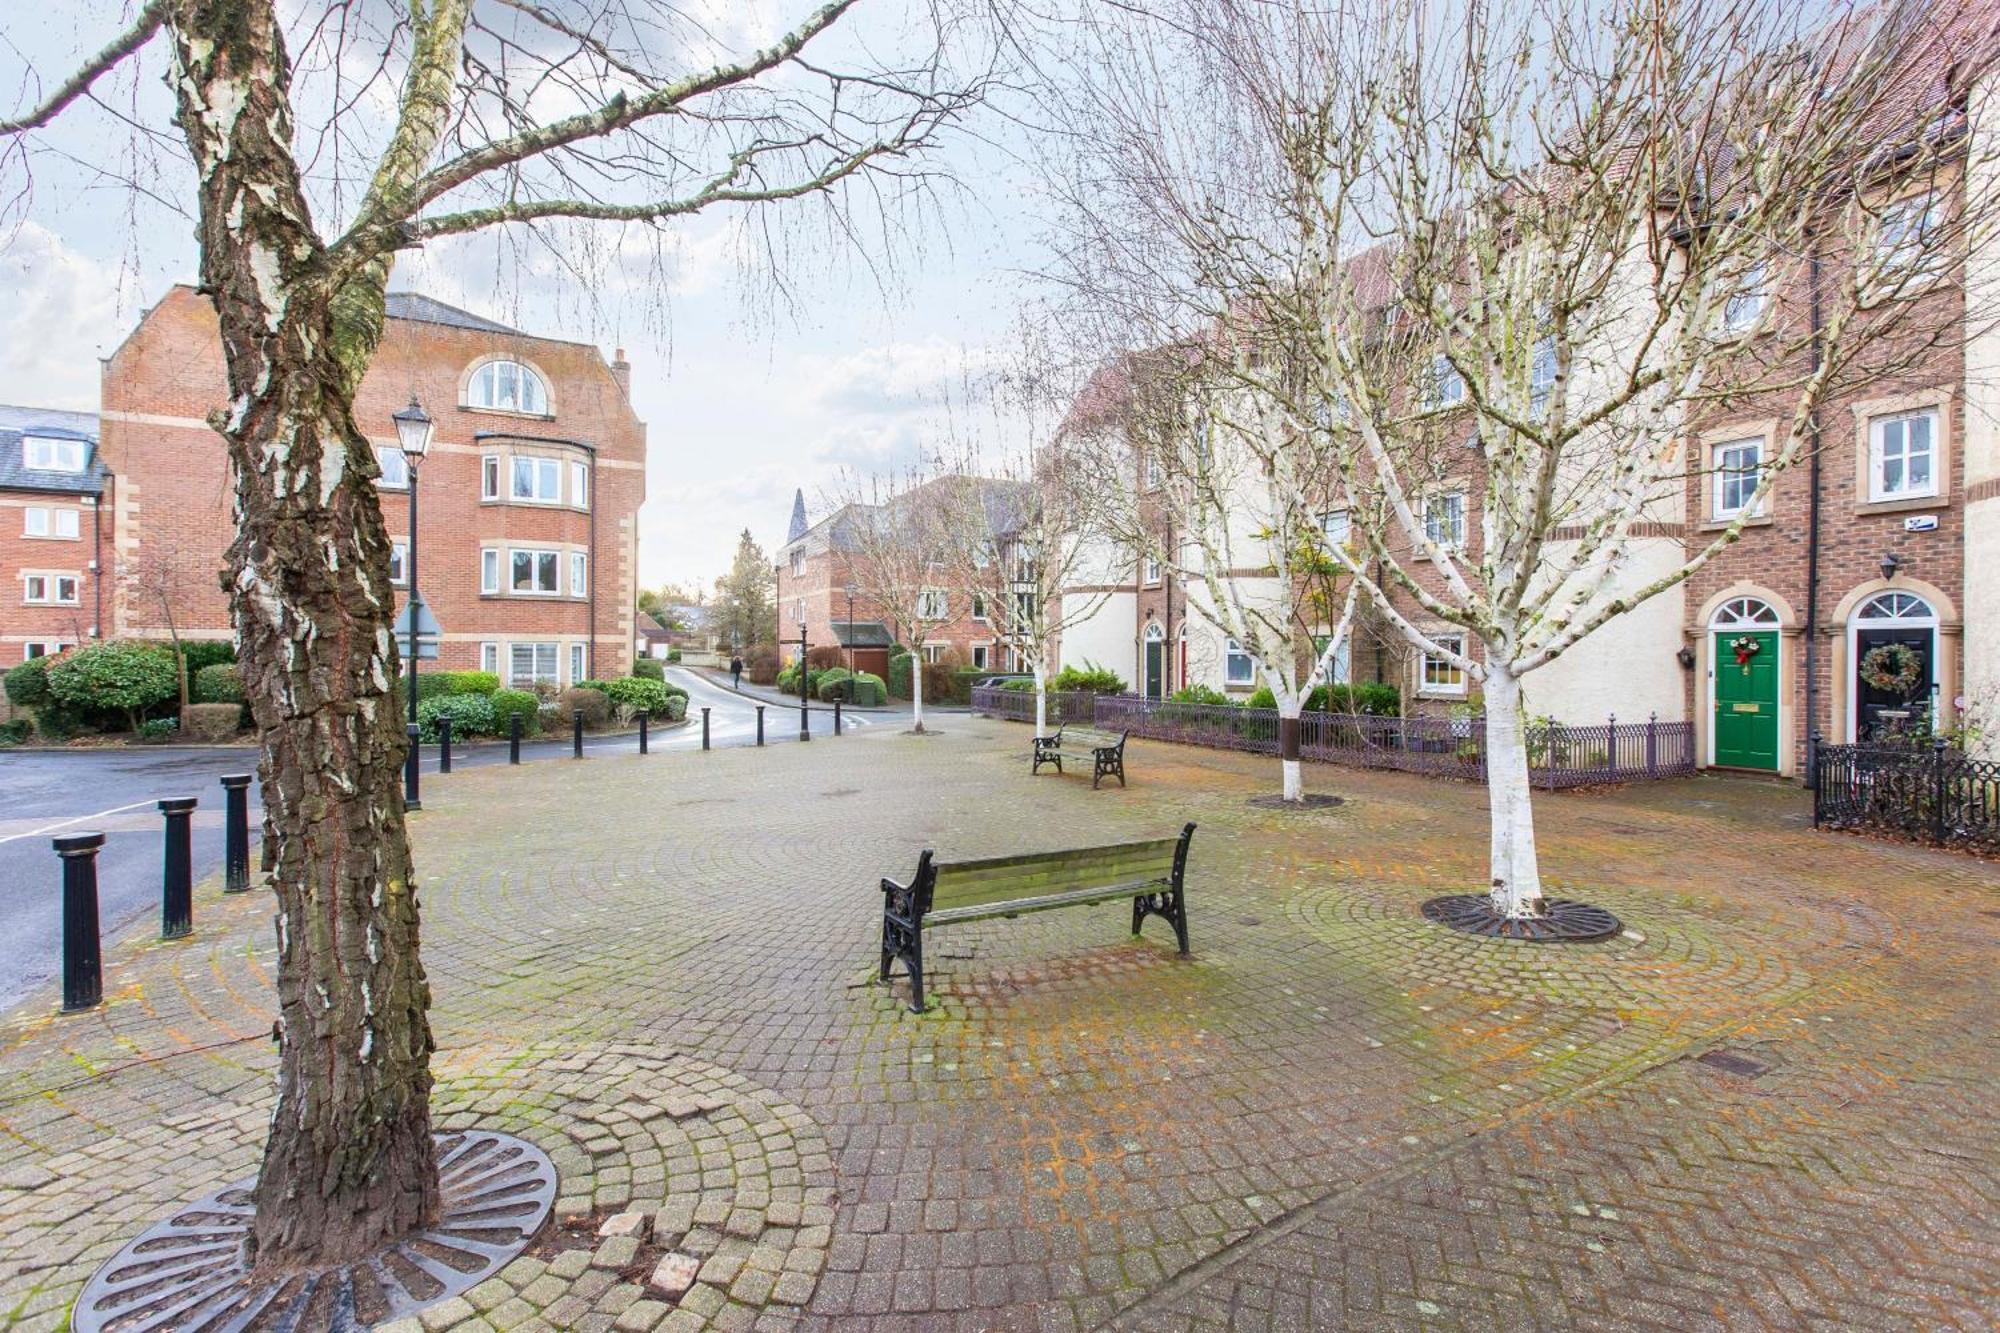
[
  {"x": 83, "y": 966},
  {"x": 576, "y": 734},
  {"x": 760, "y": 724},
  {"x": 236, "y": 833},
  {"x": 412, "y": 773},
  {"x": 514, "y": 738},
  {"x": 444, "y": 744},
  {"x": 836, "y": 717},
  {"x": 642, "y": 730},
  {"x": 704, "y": 728},
  {"x": 177, "y": 872},
  {"x": 805, "y": 725}
]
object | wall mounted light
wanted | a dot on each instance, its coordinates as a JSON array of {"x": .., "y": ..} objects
[
  {"x": 1891, "y": 562},
  {"x": 1685, "y": 656}
]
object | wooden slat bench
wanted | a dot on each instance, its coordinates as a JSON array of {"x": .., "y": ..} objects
[
  {"x": 947, "y": 893},
  {"x": 1106, "y": 750}
]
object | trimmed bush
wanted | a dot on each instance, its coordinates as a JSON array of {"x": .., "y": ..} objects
[
  {"x": 506, "y": 703},
  {"x": 221, "y": 683},
  {"x": 1198, "y": 694},
  {"x": 834, "y": 683},
  {"x": 158, "y": 729},
  {"x": 649, "y": 668},
  {"x": 677, "y": 707},
  {"x": 14, "y": 730},
  {"x": 595, "y": 705},
  {"x": 204, "y": 653},
  {"x": 868, "y": 690},
  {"x": 673, "y": 654},
  {"x": 1090, "y": 678},
  {"x": 636, "y": 692},
  {"x": 115, "y": 676},
  {"x": 210, "y": 722},
  {"x": 1369, "y": 697},
  {"x": 470, "y": 714},
  {"x": 439, "y": 684},
  {"x": 27, "y": 685},
  {"x": 900, "y": 659}
]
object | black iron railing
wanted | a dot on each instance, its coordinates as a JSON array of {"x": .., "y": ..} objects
[
  {"x": 1929, "y": 793},
  {"x": 1558, "y": 755}
]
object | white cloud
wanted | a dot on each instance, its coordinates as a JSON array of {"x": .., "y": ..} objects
[{"x": 63, "y": 311}]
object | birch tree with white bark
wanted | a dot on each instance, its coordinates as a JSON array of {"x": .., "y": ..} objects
[
  {"x": 308, "y": 146},
  {"x": 899, "y": 535},
  {"x": 1527, "y": 250}
]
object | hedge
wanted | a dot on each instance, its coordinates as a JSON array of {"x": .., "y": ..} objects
[
  {"x": 868, "y": 689},
  {"x": 1089, "y": 677},
  {"x": 115, "y": 676},
  {"x": 221, "y": 683},
  {"x": 27, "y": 685},
  {"x": 506, "y": 703},
  {"x": 470, "y": 714},
  {"x": 438, "y": 684},
  {"x": 636, "y": 692},
  {"x": 649, "y": 668}
]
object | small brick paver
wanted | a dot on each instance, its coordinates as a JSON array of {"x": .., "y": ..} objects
[{"x": 1335, "y": 1115}]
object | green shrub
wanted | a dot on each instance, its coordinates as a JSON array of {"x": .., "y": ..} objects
[
  {"x": 1360, "y": 697},
  {"x": 649, "y": 668},
  {"x": 506, "y": 703},
  {"x": 1025, "y": 685},
  {"x": 1261, "y": 697},
  {"x": 470, "y": 714},
  {"x": 115, "y": 676},
  {"x": 673, "y": 655},
  {"x": 677, "y": 707},
  {"x": 900, "y": 659},
  {"x": 204, "y": 653},
  {"x": 835, "y": 683},
  {"x": 220, "y": 683},
  {"x": 593, "y": 703},
  {"x": 14, "y": 730},
  {"x": 1089, "y": 677},
  {"x": 158, "y": 728},
  {"x": 1198, "y": 694},
  {"x": 27, "y": 685},
  {"x": 868, "y": 690},
  {"x": 760, "y": 665},
  {"x": 637, "y": 692}
]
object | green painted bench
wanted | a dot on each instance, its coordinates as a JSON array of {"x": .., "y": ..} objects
[
  {"x": 948, "y": 893},
  {"x": 1105, "y": 749}
]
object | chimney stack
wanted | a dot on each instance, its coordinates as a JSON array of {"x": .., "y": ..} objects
[{"x": 621, "y": 370}]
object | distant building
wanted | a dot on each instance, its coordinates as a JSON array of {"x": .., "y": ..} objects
[{"x": 53, "y": 535}]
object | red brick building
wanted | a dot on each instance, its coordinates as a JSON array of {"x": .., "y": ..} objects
[
  {"x": 527, "y": 502},
  {"x": 53, "y": 534}
]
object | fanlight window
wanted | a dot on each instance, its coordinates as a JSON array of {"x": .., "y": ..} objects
[
  {"x": 1745, "y": 613},
  {"x": 508, "y": 386},
  {"x": 1895, "y": 606}
]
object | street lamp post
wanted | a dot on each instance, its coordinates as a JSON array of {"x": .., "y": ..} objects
[
  {"x": 413, "y": 435},
  {"x": 850, "y": 628},
  {"x": 805, "y": 687}
]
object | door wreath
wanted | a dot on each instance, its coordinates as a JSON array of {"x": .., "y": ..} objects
[
  {"x": 1745, "y": 647},
  {"x": 1893, "y": 668}
]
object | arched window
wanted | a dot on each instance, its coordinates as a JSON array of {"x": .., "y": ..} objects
[
  {"x": 1892, "y": 651},
  {"x": 1904, "y": 607},
  {"x": 1744, "y": 613},
  {"x": 508, "y": 386}
]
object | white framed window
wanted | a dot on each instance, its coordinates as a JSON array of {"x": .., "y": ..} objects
[
  {"x": 1024, "y": 610},
  {"x": 579, "y": 574},
  {"x": 507, "y": 386},
  {"x": 1152, "y": 572},
  {"x": 798, "y": 561},
  {"x": 399, "y": 563},
  {"x": 45, "y": 521},
  {"x": 978, "y": 606},
  {"x": 1748, "y": 296},
  {"x": 536, "y": 480},
  {"x": 533, "y": 572},
  {"x": 1541, "y": 374},
  {"x": 395, "y": 468},
  {"x": 1906, "y": 239},
  {"x": 489, "y": 477},
  {"x": 1152, "y": 471},
  {"x": 1903, "y": 455},
  {"x": 489, "y": 658},
  {"x": 1444, "y": 520},
  {"x": 1338, "y": 528},
  {"x": 979, "y": 656},
  {"x": 576, "y": 675},
  {"x": 1238, "y": 668},
  {"x": 579, "y": 485},
  {"x": 1739, "y": 469},
  {"x": 531, "y": 664},
  {"x": 46, "y": 453},
  {"x": 933, "y": 653},
  {"x": 49, "y": 589},
  {"x": 1441, "y": 674},
  {"x": 1024, "y": 564},
  {"x": 933, "y": 604},
  {"x": 489, "y": 571},
  {"x": 1446, "y": 387},
  {"x": 42, "y": 648}
]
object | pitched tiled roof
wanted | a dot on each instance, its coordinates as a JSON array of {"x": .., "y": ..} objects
[
  {"x": 19, "y": 422},
  {"x": 429, "y": 310}
]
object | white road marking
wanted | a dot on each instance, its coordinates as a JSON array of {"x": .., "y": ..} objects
[{"x": 65, "y": 823}]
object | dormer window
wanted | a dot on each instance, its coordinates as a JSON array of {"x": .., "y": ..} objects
[
  {"x": 507, "y": 386},
  {"x": 44, "y": 453}
]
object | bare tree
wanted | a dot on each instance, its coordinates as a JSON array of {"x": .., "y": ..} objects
[
  {"x": 499, "y": 113},
  {"x": 899, "y": 536},
  {"x": 160, "y": 581},
  {"x": 1518, "y": 254}
]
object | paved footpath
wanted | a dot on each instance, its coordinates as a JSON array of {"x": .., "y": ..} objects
[{"x": 1770, "y": 1105}]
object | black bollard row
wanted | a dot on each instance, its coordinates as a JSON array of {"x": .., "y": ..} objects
[
  {"x": 836, "y": 717},
  {"x": 177, "y": 871},
  {"x": 760, "y": 724},
  {"x": 576, "y": 734},
  {"x": 514, "y": 738},
  {"x": 444, "y": 744},
  {"x": 83, "y": 963},
  {"x": 643, "y": 715},
  {"x": 236, "y": 833},
  {"x": 704, "y": 728},
  {"x": 412, "y": 773}
]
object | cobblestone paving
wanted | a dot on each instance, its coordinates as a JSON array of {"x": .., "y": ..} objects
[{"x": 1336, "y": 1115}]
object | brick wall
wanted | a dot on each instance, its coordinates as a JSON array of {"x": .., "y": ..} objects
[{"x": 22, "y": 624}]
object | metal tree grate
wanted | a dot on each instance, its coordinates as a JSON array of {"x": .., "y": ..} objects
[
  {"x": 1564, "y": 920},
  {"x": 1310, "y": 801},
  {"x": 189, "y": 1272}
]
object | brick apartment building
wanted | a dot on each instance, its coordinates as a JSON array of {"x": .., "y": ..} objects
[{"x": 528, "y": 499}]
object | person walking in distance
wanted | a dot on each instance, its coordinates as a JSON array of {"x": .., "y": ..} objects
[{"x": 736, "y": 672}]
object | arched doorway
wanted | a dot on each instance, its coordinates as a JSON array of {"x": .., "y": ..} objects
[
  {"x": 1156, "y": 661},
  {"x": 1892, "y": 644},
  {"x": 1744, "y": 649}
]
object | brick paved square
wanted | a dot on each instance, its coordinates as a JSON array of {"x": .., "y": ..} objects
[{"x": 1334, "y": 1115}]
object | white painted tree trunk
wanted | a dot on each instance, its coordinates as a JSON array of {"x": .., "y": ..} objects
[
  {"x": 1515, "y": 872},
  {"x": 1290, "y": 704},
  {"x": 917, "y": 689},
  {"x": 1041, "y": 701}
]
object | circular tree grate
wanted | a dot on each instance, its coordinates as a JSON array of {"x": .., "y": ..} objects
[
  {"x": 1310, "y": 801},
  {"x": 1564, "y": 920},
  {"x": 190, "y": 1271}
]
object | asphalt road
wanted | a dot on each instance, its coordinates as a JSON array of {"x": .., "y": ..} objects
[{"x": 44, "y": 793}]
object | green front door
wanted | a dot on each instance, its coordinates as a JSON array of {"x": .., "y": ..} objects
[
  {"x": 1746, "y": 701},
  {"x": 1156, "y": 657}
]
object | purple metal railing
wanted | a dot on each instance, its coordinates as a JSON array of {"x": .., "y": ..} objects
[
  {"x": 1019, "y": 705},
  {"x": 1558, "y": 755}
]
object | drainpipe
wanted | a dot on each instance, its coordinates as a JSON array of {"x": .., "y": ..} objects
[
  {"x": 590, "y": 564},
  {"x": 97, "y": 562},
  {"x": 1169, "y": 648},
  {"x": 1813, "y": 442}
]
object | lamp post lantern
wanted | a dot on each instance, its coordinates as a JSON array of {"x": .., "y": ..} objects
[
  {"x": 849, "y": 590},
  {"x": 413, "y": 435}
]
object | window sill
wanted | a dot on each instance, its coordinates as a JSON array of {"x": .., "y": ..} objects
[
  {"x": 1441, "y": 693},
  {"x": 49, "y": 537},
  {"x": 1902, "y": 504},
  {"x": 506, "y": 412},
  {"x": 1718, "y": 524}
]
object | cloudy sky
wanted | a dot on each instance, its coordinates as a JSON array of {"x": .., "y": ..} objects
[{"x": 750, "y": 387}]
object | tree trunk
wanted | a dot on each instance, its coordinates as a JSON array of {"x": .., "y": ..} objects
[
  {"x": 349, "y": 1161},
  {"x": 917, "y": 689},
  {"x": 1041, "y": 701},
  {"x": 1288, "y": 747},
  {"x": 1516, "y": 875}
]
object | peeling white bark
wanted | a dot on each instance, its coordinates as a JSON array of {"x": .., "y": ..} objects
[{"x": 1516, "y": 870}]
